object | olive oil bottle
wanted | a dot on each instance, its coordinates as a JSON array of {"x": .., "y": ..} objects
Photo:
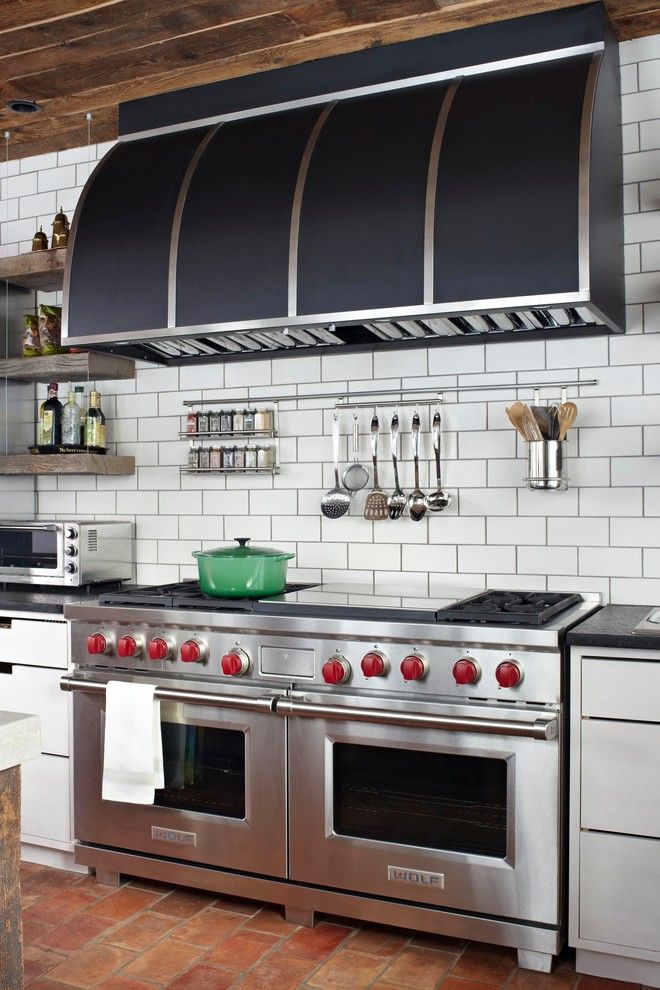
[
  {"x": 95, "y": 424},
  {"x": 50, "y": 419}
]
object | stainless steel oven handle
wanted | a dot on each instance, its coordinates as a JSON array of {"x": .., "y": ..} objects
[
  {"x": 543, "y": 727},
  {"x": 48, "y": 526},
  {"x": 235, "y": 702}
]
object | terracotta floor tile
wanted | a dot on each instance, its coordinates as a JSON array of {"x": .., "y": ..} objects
[
  {"x": 57, "y": 909},
  {"x": 123, "y": 983},
  {"x": 184, "y": 903},
  {"x": 46, "y": 984},
  {"x": 91, "y": 886},
  {"x": 48, "y": 881},
  {"x": 75, "y": 933},
  {"x": 316, "y": 943},
  {"x": 33, "y": 931},
  {"x": 91, "y": 965},
  {"x": 123, "y": 903},
  {"x": 164, "y": 961},
  {"x": 203, "y": 978},
  {"x": 347, "y": 969},
  {"x": 28, "y": 869},
  {"x": 141, "y": 931},
  {"x": 418, "y": 968},
  {"x": 485, "y": 964},
  {"x": 241, "y": 950},
  {"x": 378, "y": 940},
  {"x": 280, "y": 972},
  {"x": 237, "y": 905},
  {"x": 600, "y": 983},
  {"x": 37, "y": 961},
  {"x": 563, "y": 977},
  {"x": 208, "y": 927},
  {"x": 270, "y": 919},
  {"x": 456, "y": 983}
]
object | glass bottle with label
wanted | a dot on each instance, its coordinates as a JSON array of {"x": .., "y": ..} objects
[
  {"x": 50, "y": 418},
  {"x": 95, "y": 424},
  {"x": 80, "y": 396},
  {"x": 71, "y": 417}
]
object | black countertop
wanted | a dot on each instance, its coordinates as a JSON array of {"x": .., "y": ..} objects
[
  {"x": 29, "y": 598},
  {"x": 613, "y": 626}
]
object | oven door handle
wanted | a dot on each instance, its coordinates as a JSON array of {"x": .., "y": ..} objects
[
  {"x": 234, "y": 702},
  {"x": 541, "y": 727}
]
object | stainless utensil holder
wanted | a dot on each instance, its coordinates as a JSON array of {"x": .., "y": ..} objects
[{"x": 546, "y": 465}]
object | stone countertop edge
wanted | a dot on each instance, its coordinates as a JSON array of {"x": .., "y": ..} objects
[
  {"x": 613, "y": 626},
  {"x": 20, "y": 738}
]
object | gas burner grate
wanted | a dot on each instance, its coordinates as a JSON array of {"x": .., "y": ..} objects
[
  {"x": 509, "y": 608},
  {"x": 183, "y": 595}
]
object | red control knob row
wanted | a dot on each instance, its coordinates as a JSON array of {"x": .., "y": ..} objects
[
  {"x": 97, "y": 644},
  {"x": 128, "y": 646},
  {"x": 414, "y": 667},
  {"x": 193, "y": 651},
  {"x": 336, "y": 670},
  {"x": 158, "y": 649},
  {"x": 236, "y": 663},
  {"x": 374, "y": 664},
  {"x": 508, "y": 674},
  {"x": 466, "y": 671}
]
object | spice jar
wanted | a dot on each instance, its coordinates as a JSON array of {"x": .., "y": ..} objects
[
  {"x": 250, "y": 458},
  {"x": 239, "y": 420},
  {"x": 202, "y": 422},
  {"x": 228, "y": 458},
  {"x": 239, "y": 458},
  {"x": 249, "y": 420},
  {"x": 205, "y": 457},
  {"x": 216, "y": 457},
  {"x": 193, "y": 457},
  {"x": 191, "y": 422},
  {"x": 263, "y": 421},
  {"x": 264, "y": 457},
  {"x": 214, "y": 422},
  {"x": 226, "y": 421}
]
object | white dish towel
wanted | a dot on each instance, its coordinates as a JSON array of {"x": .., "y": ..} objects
[{"x": 133, "y": 746}]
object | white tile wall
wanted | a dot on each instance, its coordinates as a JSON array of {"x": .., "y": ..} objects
[{"x": 603, "y": 534}]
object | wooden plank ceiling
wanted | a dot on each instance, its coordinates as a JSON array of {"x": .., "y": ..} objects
[{"x": 77, "y": 56}]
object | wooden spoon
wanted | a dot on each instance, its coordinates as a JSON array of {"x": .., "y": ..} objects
[{"x": 515, "y": 413}]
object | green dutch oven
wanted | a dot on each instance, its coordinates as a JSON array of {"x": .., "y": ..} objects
[{"x": 242, "y": 571}]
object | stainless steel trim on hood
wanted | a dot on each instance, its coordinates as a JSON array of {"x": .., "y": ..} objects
[
  {"x": 433, "y": 77},
  {"x": 583, "y": 187},
  {"x": 431, "y": 191},
  {"x": 176, "y": 223},
  {"x": 297, "y": 206}
]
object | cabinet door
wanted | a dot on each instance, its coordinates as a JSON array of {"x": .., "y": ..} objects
[
  {"x": 37, "y": 690},
  {"x": 621, "y": 777},
  {"x": 625, "y": 689},
  {"x": 34, "y": 642},
  {"x": 620, "y": 890},
  {"x": 45, "y": 800}
]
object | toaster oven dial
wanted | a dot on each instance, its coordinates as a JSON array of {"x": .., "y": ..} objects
[
  {"x": 70, "y": 567},
  {"x": 374, "y": 664},
  {"x": 159, "y": 649},
  {"x": 129, "y": 646},
  {"x": 70, "y": 550},
  {"x": 336, "y": 670},
  {"x": 508, "y": 674},
  {"x": 466, "y": 671},
  {"x": 193, "y": 651},
  {"x": 70, "y": 533},
  {"x": 97, "y": 644},
  {"x": 236, "y": 663},
  {"x": 414, "y": 667}
]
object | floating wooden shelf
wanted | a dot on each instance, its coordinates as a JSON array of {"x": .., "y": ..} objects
[
  {"x": 42, "y": 270},
  {"x": 66, "y": 464},
  {"x": 68, "y": 367}
]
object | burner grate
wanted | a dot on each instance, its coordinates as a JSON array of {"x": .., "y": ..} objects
[
  {"x": 183, "y": 595},
  {"x": 534, "y": 608}
]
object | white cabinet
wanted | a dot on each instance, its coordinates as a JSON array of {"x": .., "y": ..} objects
[
  {"x": 34, "y": 653},
  {"x": 614, "y": 872}
]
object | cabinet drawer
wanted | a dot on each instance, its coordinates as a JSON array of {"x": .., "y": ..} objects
[
  {"x": 45, "y": 799},
  {"x": 37, "y": 690},
  {"x": 628, "y": 689},
  {"x": 620, "y": 890},
  {"x": 621, "y": 777},
  {"x": 33, "y": 642}
]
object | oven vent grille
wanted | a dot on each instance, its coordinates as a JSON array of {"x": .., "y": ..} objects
[{"x": 92, "y": 540}]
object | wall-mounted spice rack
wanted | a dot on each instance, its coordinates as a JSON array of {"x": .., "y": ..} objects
[{"x": 210, "y": 435}]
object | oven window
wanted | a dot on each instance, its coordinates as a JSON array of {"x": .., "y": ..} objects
[
  {"x": 414, "y": 798},
  {"x": 28, "y": 548},
  {"x": 204, "y": 770}
]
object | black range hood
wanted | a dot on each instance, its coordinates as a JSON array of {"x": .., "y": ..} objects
[{"x": 466, "y": 202}]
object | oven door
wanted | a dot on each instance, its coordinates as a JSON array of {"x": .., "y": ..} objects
[
  {"x": 32, "y": 553},
  {"x": 223, "y": 803},
  {"x": 454, "y": 806}
]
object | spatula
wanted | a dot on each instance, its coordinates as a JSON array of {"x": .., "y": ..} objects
[{"x": 375, "y": 507}]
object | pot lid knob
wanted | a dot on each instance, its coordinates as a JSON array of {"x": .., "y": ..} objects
[{"x": 242, "y": 540}]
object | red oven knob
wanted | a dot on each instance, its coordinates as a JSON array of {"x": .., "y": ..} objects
[
  {"x": 97, "y": 644},
  {"x": 508, "y": 674},
  {"x": 158, "y": 649},
  {"x": 466, "y": 671},
  {"x": 374, "y": 664},
  {"x": 236, "y": 663},
  {"x": 192, "y": 651},
  {"x": 128, "y": 647},
  {"x": 414, "y": 667},
  {"x": 336, "y": 670}
]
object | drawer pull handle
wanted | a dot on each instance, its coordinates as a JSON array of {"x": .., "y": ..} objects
[{"x": 6, "y": 668}]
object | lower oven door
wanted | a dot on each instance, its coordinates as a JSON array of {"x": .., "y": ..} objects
[
  {"x": 454, "y": 806},
  {"x": 223, "y": 803}
]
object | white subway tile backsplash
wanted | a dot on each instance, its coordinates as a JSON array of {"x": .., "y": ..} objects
[
  {"x": 649, "y": 134},
  {"x": 516, "y": 356},
  {"x": 610, "y": 561},
  {"x": 547, "y": 560},
  {"x": 374, "y": 556},
  {"x": 636, "y": 470},
  {"x": 477, "y": 559},
  {"x": 578, "y": 532}
]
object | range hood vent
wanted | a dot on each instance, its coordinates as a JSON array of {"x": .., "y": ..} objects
[{"x": 478, "y": 203}]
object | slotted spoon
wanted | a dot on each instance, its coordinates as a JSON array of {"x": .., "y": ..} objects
[
  {"x": 375, "y": 507},
  {"x": 335, "y": 503},
  {"x": 567, "y": 413}
]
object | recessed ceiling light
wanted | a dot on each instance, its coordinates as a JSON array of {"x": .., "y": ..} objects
[{"x": 24, "y": 106}]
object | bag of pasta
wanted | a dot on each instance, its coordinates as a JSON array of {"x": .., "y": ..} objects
[
  {"x": 31, "y": 343},
  {"x": 50, "y": 329}
]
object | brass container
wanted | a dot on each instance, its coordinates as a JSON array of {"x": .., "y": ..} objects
[
  {"x": 61, "y": 227},
  {"x": 40, "y": 241}
]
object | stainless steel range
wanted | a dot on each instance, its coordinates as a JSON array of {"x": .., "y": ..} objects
[{"x": 377, "y": 756}]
